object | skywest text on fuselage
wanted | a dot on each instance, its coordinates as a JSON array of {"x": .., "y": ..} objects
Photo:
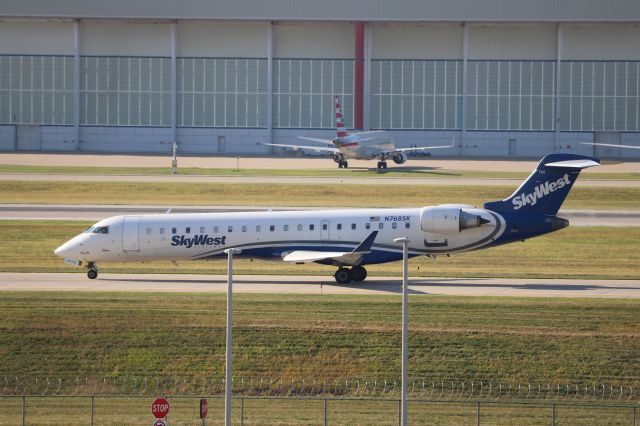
[{"x": 198, "y": 240}]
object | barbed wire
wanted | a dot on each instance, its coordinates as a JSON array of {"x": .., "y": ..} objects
[{"x": 418, "y": 388}]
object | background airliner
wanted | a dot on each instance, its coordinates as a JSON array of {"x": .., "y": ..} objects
[
  {"x": 611, "y": 145},
  {"x": 347, "y": 239},
  {"x": 361, "y": 145}
]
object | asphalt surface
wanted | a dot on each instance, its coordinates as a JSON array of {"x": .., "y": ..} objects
[
  {"x": 98, "y": 212},
  {"x": 321, "y": 285}
]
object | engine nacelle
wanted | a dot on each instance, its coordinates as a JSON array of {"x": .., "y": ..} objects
[
  {"x": 338, "y": 157},
  {"x": 447, "y": 220},
  {"x": 399, "y": 158}
]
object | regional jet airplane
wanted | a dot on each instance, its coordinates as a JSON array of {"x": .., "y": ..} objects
[
  {"x": 348, "y": 239},
  {"x": 361, "y": 146},
  {"x": 611, "y": 145}
]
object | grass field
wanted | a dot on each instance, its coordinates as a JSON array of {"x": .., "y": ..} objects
[
  {"x": 323, "y": 337},
  {"x": 416, "y": 172},
  {"x": 27, "y": 246},
  {"x": 171, "y": 194}
]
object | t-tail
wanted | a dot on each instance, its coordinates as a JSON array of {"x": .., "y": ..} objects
[
  {"x": 547, "y": 187},
  {"x": 341, "y": 132}
]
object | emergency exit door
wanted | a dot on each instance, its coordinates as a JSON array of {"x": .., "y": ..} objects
[{"x": 130, "y": 233}]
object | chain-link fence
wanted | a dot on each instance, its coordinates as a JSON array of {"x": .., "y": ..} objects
[
  {"x": 488, "y": 390},
  {"x": 118, "y": 410}
]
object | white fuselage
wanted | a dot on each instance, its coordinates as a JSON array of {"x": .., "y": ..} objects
[
  {"x": 366, "y": 145},
  {"x": 275, "y": 234}
]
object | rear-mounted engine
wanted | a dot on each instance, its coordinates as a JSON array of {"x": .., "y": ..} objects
[{"x": 447, "y": 220}]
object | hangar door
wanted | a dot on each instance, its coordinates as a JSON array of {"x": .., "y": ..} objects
[{"x": 130, "y": 233}]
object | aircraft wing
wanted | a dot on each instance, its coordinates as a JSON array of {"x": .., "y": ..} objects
[
  {"x": 422, "y": 148},
  {"x": 307, "y": 138},
  {"x": 305, "y": 147},
  {"x": 611, "y": 145},
  {"x": 342, "y": 258}
]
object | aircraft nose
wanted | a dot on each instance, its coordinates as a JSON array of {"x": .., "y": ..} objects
[{"x": 62, "y": 250}]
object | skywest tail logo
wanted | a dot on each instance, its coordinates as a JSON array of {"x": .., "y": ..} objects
[
  {"x": 198, "y": 240},
  {"x": 540, "y": 191}
]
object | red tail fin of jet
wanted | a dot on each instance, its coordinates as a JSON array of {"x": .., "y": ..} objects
[{"x": 340, "y": 119}]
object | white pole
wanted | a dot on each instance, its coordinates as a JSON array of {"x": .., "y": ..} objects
[
  {"x": 405, "y": 326},
  {"x": 228, "y": 385}
]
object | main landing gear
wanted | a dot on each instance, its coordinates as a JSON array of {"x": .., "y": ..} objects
[
  {"x": 346, "y": 275},
  {"x": 92, "y": 273},
  {"x": 382, "y": 164},
  {"x": 343, "y": 164}
]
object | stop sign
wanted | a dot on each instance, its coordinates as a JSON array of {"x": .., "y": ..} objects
[{"x": 160, "y": 407}]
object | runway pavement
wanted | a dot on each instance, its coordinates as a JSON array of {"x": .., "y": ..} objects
[
  {"x": 320, "y": 285},
  {"x": 98, "y": 212}
]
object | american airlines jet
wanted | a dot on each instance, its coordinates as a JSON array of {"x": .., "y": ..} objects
[
  {"x": 348, "y": 239},
  {"x": 361, "y": 145}
]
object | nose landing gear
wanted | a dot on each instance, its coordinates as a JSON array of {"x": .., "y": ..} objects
[
  {"x": 92, "y": 273},
  {"x": 346, "y": 275}
]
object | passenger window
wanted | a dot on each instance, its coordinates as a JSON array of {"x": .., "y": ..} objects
[
  {"x": 244, "y": 228},
  {"x": 174, "y": 230},
  {"x": 407, "y": 225},
  {"x": 285, "y": 227},
  {"x": 299, "y": 227},
  {"x": 312, "y": 227},
  {"x": 258, "y": 228},
  {"x": 202, "y": 229},
  {"x": 367, "y": 225},
  {"x": 380, "y": 225},
  {"x": 216, "y": 229},
  {"x": 272, "y": 228},
  {"x": 394, "y": 225},
  {"x": 188, "y": 230},
  {"x": 230, "y": 229},
  {"x": 324, "y": 226},
  {"x": 339, "y": 226},
  {"x": 353, "y": 226},
  {"x": 148, "y": 231}
]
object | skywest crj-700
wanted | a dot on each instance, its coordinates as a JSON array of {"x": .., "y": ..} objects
[
  {"x": 349, "y": 239},
  {"x": 361, "y": 145}
]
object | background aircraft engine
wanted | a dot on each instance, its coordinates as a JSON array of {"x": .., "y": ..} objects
[
  {"x": 447, "y": 220},
  {"x": 338, "y": 157},
  {"x": 400, "y": 158}
]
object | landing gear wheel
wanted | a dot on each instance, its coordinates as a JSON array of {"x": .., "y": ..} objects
[
  {"x": 358, "y": 273},
  {"x": 92, "y": 274},
  {"x": 345, "y": 164},
  {"x": 379, "y": 164},
  {"x": 343, "y": 276},
  {"x": 384, "y": 164}
]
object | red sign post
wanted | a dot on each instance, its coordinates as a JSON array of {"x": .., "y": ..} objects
[
  {"x": 160, "y": 407},
  {"x": 203, "y": 408}
]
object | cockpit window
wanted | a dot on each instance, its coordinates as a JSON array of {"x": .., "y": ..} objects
[
  {"x": 89, "y": 229},
  {"x": 100, "y": 230}
]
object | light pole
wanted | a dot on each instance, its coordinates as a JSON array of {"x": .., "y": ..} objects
[
  {"x": 228, "y": 385},
  {"x": 405, "y": 320}
]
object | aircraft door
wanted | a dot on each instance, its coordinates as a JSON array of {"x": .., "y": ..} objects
[
  {"x": 324, "y": 229},
  {"x": 130, "y": 233}
]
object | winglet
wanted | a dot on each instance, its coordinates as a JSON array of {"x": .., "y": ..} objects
[{"x": 365, "y": 245}]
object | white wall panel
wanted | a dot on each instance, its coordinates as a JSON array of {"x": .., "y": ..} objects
[
  {"x": 222, "y": 39},
  {"x": 36, "y": 38},
  {"x": 601, "y": 42},
  {"x": 110, "y": 38},
  {"x": 417, "y": 41},
  {"x": 311, "y": 40},
  {"x": 512, "y": 42}
]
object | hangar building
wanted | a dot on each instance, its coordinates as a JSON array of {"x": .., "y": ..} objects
[{"x": 501, "y": 78}]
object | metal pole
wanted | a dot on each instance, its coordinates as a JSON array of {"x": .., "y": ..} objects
[
  {"x": 228, "y": 385},
  {"x": 465, "y": 73},
  {"x": 405, "y": 321},
  {"x": 174, "y": 78},
  {"x": 270, "y": 84},
  {"x": 325, "y": 412},
  {"x": 559, "y": 43},
  {"x": 76, "y": 82}
]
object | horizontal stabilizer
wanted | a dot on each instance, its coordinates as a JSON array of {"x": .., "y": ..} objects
[{"x": 573, "y": 164}]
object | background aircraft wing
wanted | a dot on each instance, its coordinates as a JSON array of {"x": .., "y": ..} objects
[
  {"x": 611, "y": 145},
  {"x": 422, "y": 148},
  {"x": 325, "y": 141},
  {"x": 305, "y": 147}
]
